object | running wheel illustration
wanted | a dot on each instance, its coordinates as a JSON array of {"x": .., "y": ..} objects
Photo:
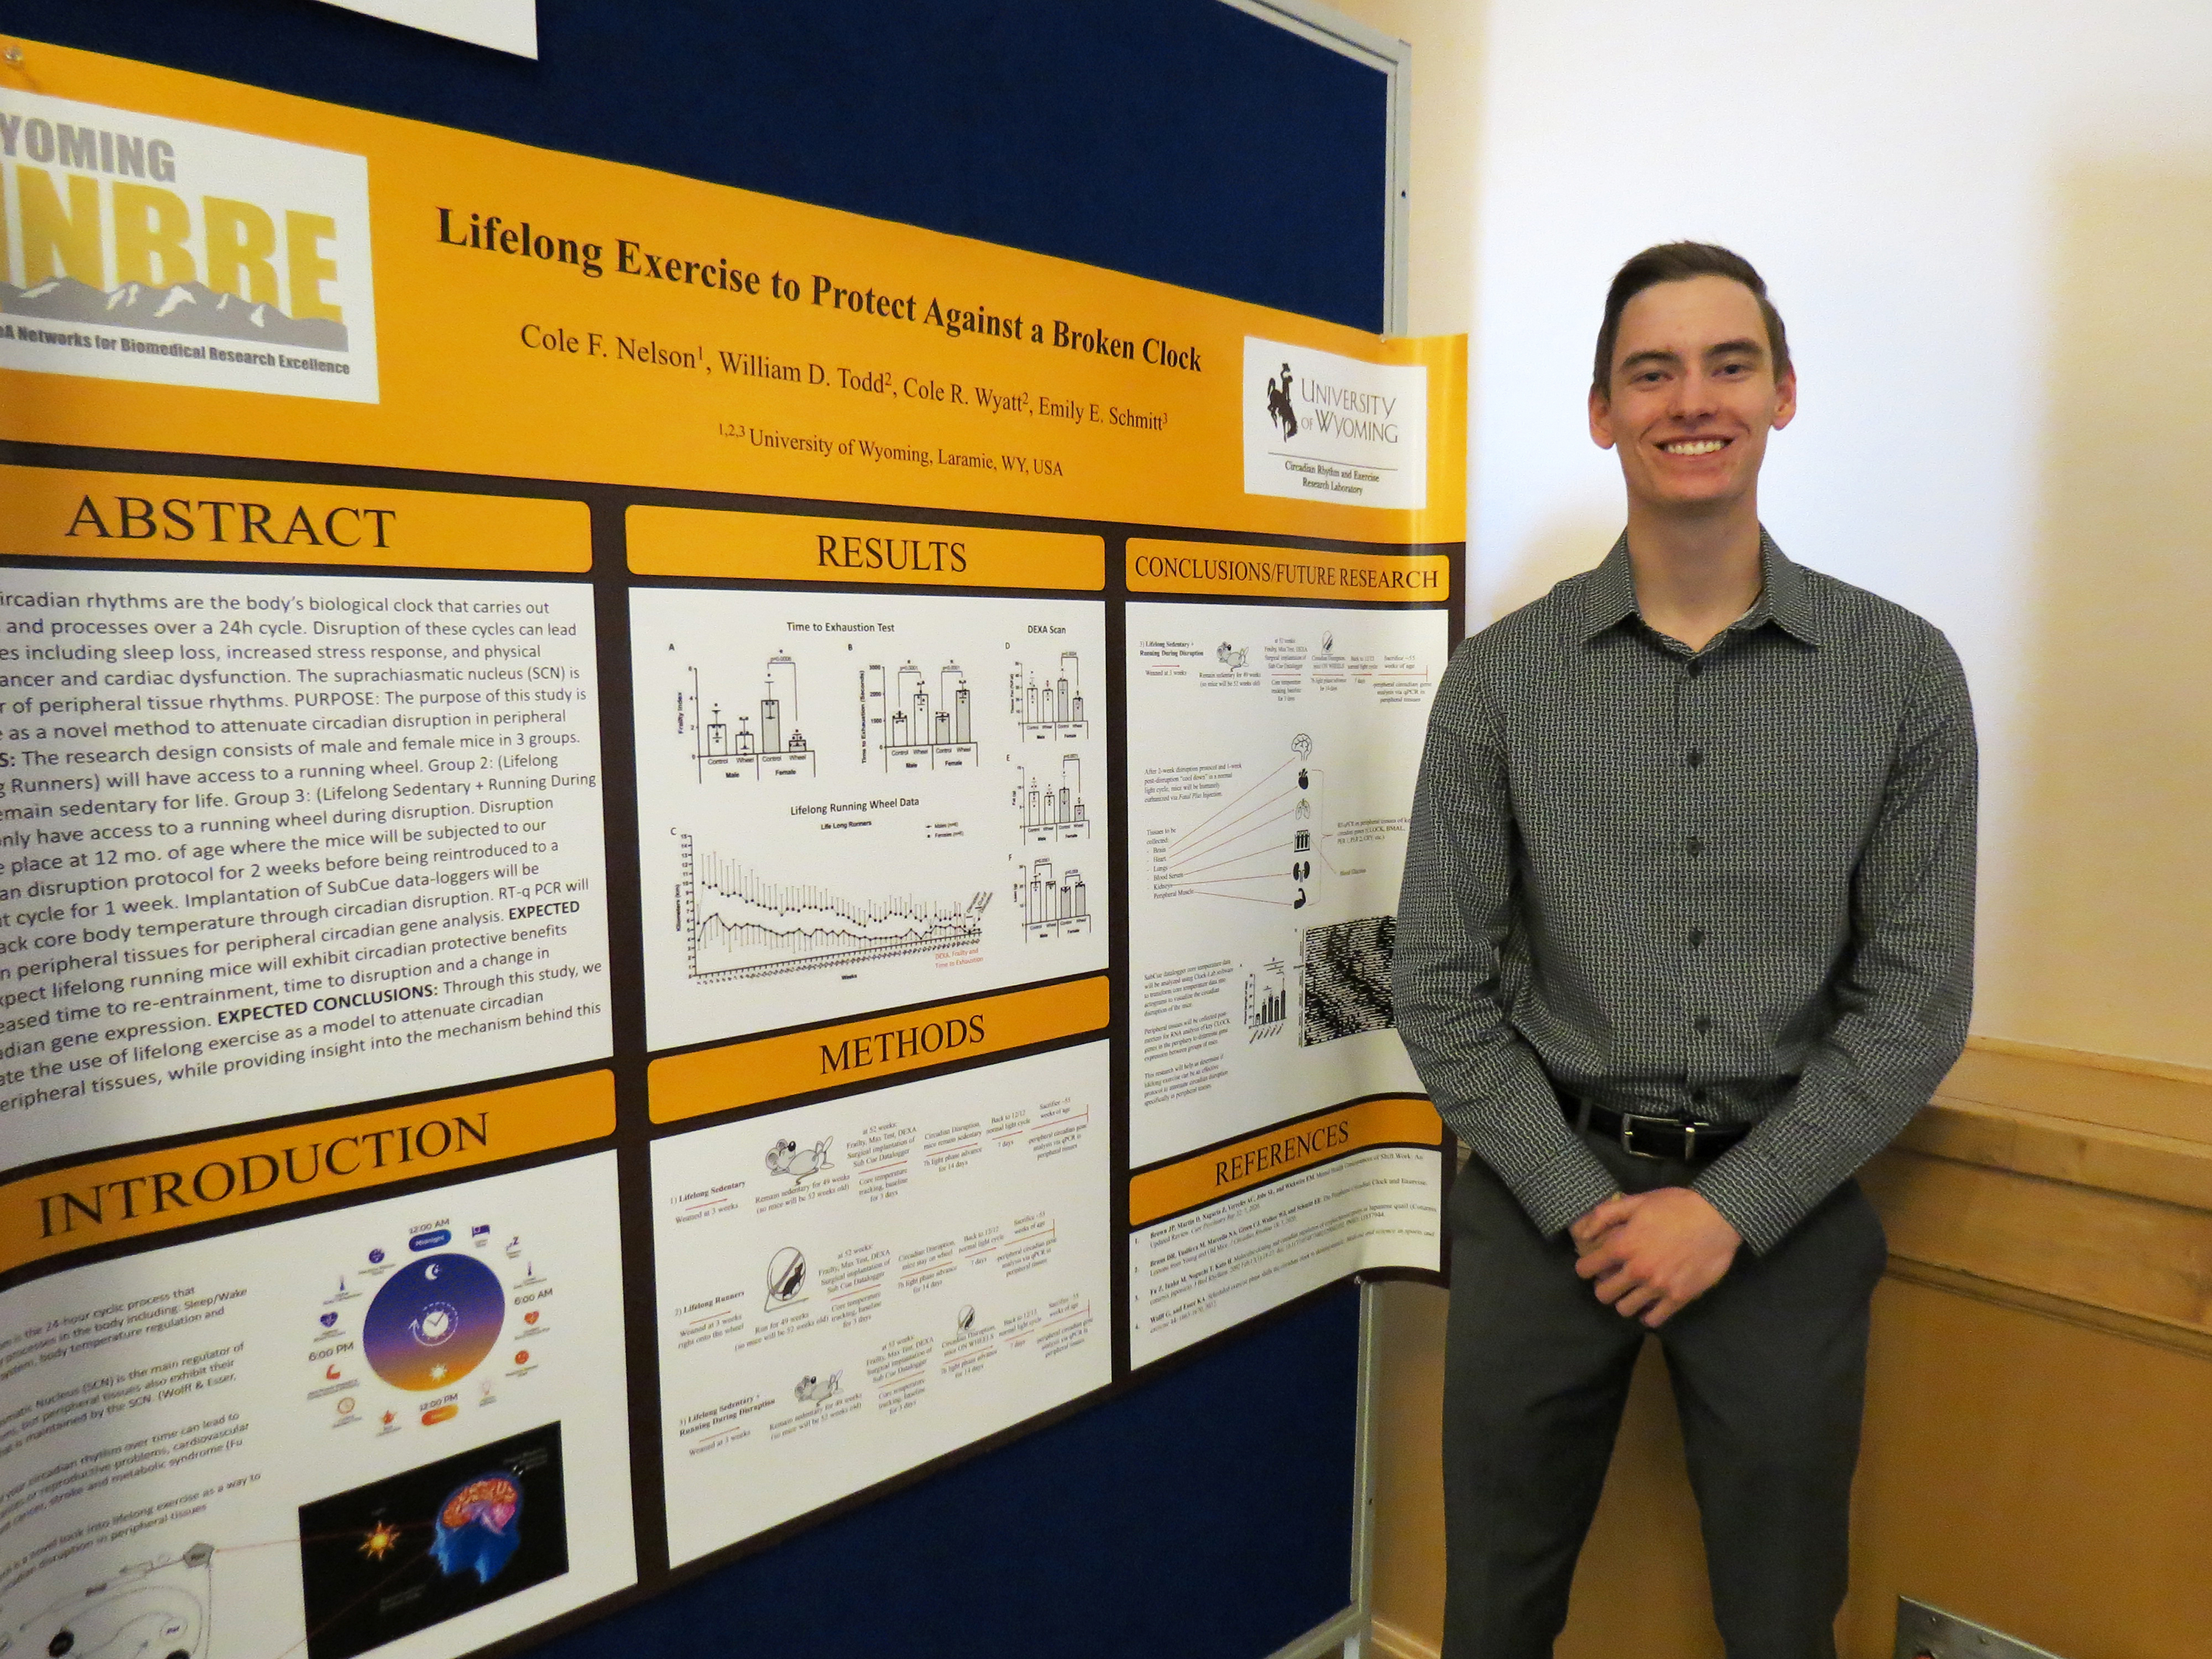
[
  {"x": 787, "y": 1274},
  {"x": 153, "y": 1610},
  {"x": 434, "y": 1322}
]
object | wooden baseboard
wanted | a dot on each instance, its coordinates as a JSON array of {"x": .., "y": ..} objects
[{"x": 1395, "y": 1642}]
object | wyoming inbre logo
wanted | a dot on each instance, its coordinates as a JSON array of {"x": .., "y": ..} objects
[{"x": 142, "y": 248}]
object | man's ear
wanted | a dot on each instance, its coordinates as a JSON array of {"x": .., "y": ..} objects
[
  {"x": 1785, "y": 400},
  {"x": 1601, "y": 419}
]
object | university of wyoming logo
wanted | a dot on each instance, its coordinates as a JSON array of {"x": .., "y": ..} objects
[
  {"x": 1322, "y": 426},
  {"x": 142, "y": 248}
]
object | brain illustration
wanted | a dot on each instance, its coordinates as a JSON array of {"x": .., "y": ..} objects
[{"x": 479, "y": 1527}]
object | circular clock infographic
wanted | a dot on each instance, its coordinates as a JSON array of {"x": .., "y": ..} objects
[{"x": 432, "y": 1322}]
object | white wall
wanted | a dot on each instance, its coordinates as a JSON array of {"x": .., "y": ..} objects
[{"x": 1987, "y": 222}]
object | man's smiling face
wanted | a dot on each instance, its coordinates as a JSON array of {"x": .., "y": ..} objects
[{"x": 1693, "y": 394}]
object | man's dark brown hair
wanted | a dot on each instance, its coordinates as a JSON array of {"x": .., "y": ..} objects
[{"x": 1677, "y": 262}]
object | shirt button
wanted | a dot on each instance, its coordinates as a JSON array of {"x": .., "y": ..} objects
[
  {"x": 1696, "y": 669},
  {"x": 1696, "y": 756},
  {"x": 1696, "y": 936},
  {"x": 1697, "y": 846},
  {"x": 1697, "y": 1096},
  {"x": 1704, "y": 1023}
]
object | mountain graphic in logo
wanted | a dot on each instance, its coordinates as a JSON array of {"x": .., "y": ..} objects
[
  {"x": 181, "y": 308},
  {"x": 1279, "y": 405}
]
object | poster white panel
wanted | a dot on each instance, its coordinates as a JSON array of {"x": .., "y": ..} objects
[
  {"x": 854, "y": 801},
  {"x": 850, "y": 1289},
  {"x": 276, "y": 842},
  {"x": 1272, "y": 757},
  {"x": 502, "y": 25},
  {"x": 1195, "y": 1275},
  {"x": 400, "y": 1426}
]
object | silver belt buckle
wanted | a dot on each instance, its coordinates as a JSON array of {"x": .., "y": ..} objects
[
  {"x": 1689, "y": 1126},
  {"x": 1628, "y": 1122}
]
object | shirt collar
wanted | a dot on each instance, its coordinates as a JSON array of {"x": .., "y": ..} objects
[{"x": 1610, "y": 597}]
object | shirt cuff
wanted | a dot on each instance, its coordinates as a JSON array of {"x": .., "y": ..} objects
[
  {"x": 1753, "y": 1196},
  {"x": 1562, "y": 1191}
]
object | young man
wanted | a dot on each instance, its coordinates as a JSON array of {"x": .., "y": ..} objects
[{"x": 1685, "y": 938}]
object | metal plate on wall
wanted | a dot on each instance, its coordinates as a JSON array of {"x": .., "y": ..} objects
[{"x": 1926, "y": 1632}]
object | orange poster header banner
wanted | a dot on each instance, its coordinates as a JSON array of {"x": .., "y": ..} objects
[
  {"x": 1157, "y": 567},
  {"x": 1170, "y": 1189},
  {"x": 881, "y": 1045},
  {"x": 58, "y": 514},
  {"x": 279, "y": 278},
  {"x": 129, "y": 1197},
  {"x": 682, "y": 541}
]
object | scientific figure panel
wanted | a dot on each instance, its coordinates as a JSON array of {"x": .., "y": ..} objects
[
  {"x": 1272, "y": 757},
  {"x": 854, "y": 801},
  {"x": 397, "y": 1427},
  {"x": 850, "y": 1289},
  {"x": 273, "y": 843}
]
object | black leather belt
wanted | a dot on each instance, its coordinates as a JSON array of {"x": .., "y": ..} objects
[{"x": 1671, "y": 1139}]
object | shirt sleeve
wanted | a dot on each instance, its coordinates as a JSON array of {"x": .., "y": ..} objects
[
  {"x": 1455, "y": 913},
  {"x": 1902, "y": 995}
]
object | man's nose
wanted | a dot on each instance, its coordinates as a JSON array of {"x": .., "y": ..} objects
[{"x": 1695, "y": 393}]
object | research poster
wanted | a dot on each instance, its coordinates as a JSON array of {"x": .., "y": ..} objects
[{"x": 639, "y": 823}]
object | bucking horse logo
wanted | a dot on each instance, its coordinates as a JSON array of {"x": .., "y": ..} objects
[{"x": 1279, "y": 405}]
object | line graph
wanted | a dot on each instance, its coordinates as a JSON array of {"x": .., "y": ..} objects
[{"x": 736, "y": 925}]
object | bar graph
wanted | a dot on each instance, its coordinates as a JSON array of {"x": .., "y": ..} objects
[
  {"x": 757, "y": 737},
  {"x": 1051, "y": 809},
  {"x": 1266, "y": 1001},
  {"x": 1053, "y": 907},
  {"x": 913, "y": 723},
  {"x": 1047, "y": 702}
]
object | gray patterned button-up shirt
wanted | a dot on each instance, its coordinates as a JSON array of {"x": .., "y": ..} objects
[{"x": 1735, "y": 885}]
